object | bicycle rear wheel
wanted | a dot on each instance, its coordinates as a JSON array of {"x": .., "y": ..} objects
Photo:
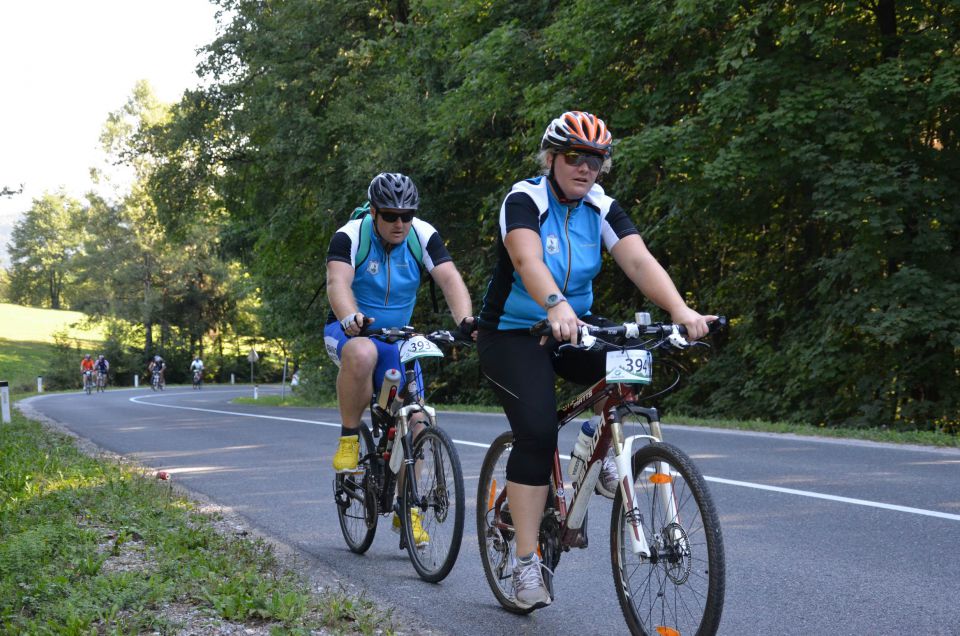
[
  {"x": 679, "y": 589},
  {"x": 356, "y": 497},
  {"x": 497, "y": 547},
  {"x": 439, "y": 505}
]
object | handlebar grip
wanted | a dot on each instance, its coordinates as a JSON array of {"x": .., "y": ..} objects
[
  {"x": 541, "y": 328},
  {"x": 720, "y": 324},
  {"x": 367, "y": 321}
]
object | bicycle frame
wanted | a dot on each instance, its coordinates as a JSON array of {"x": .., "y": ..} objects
[{"x": 609, "y": 432}]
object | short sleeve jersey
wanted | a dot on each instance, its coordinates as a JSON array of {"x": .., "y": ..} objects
[
  {"x": 385, "y": 283},
  {"x": 571, "y": 239}
]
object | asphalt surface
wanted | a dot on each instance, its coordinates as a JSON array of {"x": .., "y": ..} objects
[{"x": 821, "y": 536}]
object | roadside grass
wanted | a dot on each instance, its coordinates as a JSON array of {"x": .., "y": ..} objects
[
  {"x": 290, "y": 399},
  {"x": 95, "y": 546}
]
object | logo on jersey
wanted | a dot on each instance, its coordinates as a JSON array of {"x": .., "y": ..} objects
[
  {"x": 553, "y": 244},
  {"x": 373, "y": 268}
]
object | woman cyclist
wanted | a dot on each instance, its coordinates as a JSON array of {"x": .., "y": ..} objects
[{"x": 551, "y": 230}]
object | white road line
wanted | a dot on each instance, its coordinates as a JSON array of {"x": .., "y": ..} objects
[
  {"x": 719, "y": 480},
  {"x": 848, "y": 500}
]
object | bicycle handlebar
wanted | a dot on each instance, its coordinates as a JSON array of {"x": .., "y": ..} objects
[
  {"x": 395, "y": 334},
  {"x": 662, "y": 330}
]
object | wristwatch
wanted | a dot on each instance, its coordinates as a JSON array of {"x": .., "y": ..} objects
[{"x": 553, "y": 300}]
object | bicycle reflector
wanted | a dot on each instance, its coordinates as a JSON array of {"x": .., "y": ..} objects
[{"x": 661, "y": 478}]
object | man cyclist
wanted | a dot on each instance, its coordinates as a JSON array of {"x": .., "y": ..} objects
[
  {"x": 196, "y": 367},
  {"x": 381, "y": 288},
  {"x": 157, "y": 364},
  {"x": 102, "y": 366},
  {"x": 86, "y": 365},
  {"x": 552, "y": 228}
]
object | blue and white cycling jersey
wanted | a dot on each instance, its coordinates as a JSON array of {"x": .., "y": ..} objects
[
  {"x": 385, "y": 283},
  {"x": 571, "y": 238}
]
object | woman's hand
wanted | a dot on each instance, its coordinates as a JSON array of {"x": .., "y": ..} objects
[
  {"x": 696, "y": 324},
  {"x": 564, "y": 323}
]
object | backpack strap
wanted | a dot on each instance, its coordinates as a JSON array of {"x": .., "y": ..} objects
[{"x": 366, "y": 233}]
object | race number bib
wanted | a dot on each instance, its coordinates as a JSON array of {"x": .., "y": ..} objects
[
  {"x": 418, "y": 347},
  {"x": 634, "y": 366}
]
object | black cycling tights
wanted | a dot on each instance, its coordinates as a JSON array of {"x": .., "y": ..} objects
[{"x": 523, "y": 374}]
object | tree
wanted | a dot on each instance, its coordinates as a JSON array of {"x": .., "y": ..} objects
[
  {"x": 793, "y": 165},
  {"x": 43, "y": 246}
]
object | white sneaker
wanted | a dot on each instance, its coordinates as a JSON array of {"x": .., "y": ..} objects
[
  {"x": 608, "y": 480},
  {"x": 529, "y": 590}
]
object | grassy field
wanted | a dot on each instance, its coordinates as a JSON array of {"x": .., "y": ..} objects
[
  {"x": 27, "y": 336},
  {"x": 38, "y": 325}
]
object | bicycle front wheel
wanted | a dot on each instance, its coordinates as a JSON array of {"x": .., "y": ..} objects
[
  {"x": 356, "y": 497},
  {"x": 433, "y": 505},
  {"x": 679, "y": 588}
]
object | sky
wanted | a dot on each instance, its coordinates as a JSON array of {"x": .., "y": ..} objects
[{"x": 65, "y": 65}]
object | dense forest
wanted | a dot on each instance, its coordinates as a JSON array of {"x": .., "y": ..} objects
[{"x": 794, "y": 165}]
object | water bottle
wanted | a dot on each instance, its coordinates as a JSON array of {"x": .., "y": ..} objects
[
  {"x": 391, "y": 382},
  {"x": 582, "y": 450}
]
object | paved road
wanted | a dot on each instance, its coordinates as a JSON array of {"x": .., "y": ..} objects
[{"x": 821, "y": 536}]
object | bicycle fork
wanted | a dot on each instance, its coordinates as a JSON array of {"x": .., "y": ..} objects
[{"x": 662, "y": 478}]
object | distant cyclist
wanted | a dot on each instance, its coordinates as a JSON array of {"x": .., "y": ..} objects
[
  {"x": 86, "y": 365},
  {"x": 196, "y": 370},
  {"x": 159, "y": 366},
  {"x": 101, "y": 366}
]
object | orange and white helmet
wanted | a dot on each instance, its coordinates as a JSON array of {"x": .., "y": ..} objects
[{"x": 578, "y": 130}]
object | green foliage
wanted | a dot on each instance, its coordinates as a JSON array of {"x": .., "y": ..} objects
[
  {"x": 42, "y": 247},
  {"x": 793, "y": 165}
]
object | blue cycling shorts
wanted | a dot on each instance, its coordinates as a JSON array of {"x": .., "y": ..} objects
[{"x": 388, "y": 356}]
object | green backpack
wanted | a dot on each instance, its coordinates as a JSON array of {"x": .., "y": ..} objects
[{"x": 413, "y": 244}]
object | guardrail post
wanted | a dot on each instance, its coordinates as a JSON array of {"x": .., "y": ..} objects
[{"x": 5, "y": 400}]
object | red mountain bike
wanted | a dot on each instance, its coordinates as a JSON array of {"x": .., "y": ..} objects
[{"x": 665, "y": 541}]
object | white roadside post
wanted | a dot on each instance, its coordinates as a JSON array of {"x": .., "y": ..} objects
[
  {"x": 253, "y": 357},
  {"x": 5, "y": 401},
  {"x": 39, "y": 384},
  {"x": 232, "y": 379},
  {"x": 136, "y": 380}
]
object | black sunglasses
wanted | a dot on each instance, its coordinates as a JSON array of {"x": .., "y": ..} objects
[
  {"x": 594, "y": 162},
  {"x": 391, "y": 217}
]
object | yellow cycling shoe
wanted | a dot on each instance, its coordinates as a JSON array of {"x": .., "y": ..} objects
[
  {"x": 345, "y": 459},
  {"x": 420, "y": 536}
]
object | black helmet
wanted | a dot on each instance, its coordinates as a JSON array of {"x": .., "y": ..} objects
[{"x": 393, "y": 190}]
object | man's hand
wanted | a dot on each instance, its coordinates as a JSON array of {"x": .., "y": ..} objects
[
  {"x": 468, "y": 328},
  {"x": 354, "y": 323}
]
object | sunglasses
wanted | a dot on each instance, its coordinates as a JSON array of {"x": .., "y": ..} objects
[
  {"x": 391, "y": 217},
  {"x": 594, "y": 162}
]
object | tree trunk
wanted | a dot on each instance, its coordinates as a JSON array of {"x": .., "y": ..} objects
[{"x": 886, "y": 12}]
